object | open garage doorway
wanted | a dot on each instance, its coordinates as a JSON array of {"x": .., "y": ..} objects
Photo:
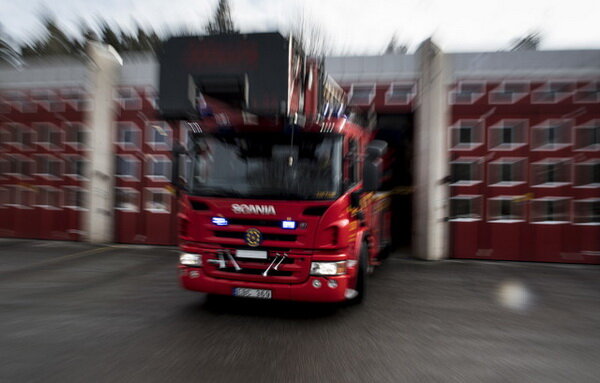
[{"x": 397, "y": 130}]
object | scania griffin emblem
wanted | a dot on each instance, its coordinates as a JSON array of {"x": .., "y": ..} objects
[{"x": 253, "y": 237}]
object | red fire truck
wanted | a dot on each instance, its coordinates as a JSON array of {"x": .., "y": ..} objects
[{"x": 278, "y": 189}]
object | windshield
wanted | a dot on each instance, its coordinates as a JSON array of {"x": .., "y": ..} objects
[{"x": 266, "y": 165}]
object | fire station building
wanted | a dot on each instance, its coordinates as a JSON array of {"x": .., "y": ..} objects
[{"x": 496, "y": 155}]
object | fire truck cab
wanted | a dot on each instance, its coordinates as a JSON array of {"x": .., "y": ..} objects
[{"x": 278, "y": 188}]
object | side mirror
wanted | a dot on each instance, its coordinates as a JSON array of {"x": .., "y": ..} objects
[
  {"x": 372, "y": 171},
  {"x": 176, "y": 180},
  {"x": 373, "y": 165},
  {"x": 376, "y": 149}
]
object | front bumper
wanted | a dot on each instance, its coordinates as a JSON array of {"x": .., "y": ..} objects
[{"x": 194, "y": 278}]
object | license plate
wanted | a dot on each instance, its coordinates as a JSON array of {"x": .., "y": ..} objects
[
  {"x": 254, "y": 254},
  {"x": 251, "y": 293}
]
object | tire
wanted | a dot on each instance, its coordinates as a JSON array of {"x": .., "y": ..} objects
[
  {"x": 385, "y": 252},
  {"x": 361, "y": 276}
]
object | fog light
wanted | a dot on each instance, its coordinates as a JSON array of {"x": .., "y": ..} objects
[
  {"x": 189, "y": 259},
  {"x": 316, "y": 283},
  {"x": 332, "y": 284}
]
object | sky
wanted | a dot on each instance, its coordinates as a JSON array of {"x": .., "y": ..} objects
[{"x": 349, "y": 26}]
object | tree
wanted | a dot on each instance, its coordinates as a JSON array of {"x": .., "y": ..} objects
[
  {"x": 122, "y": 41},
  {"x": 129, "y": 42},
  {"x": 7, "y": 53},
  {"x": 530, "y": 42},
  {"x": 394, "y": 47},
  {"x": 52, "y": 42},
  {"x": 87, "y": 32},
  {"x": 110, "y": 37},
  {"x": 154, "y": 40},
  {"x": 147, "y": 41},
  {"x": 57, "y": 41},
  {"x": 221, "y": 23},
  {"x": 143, "y": 41},
  {"x": 310, "y": 36}
]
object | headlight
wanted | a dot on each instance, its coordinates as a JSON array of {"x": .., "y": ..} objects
[
  {"x": 328, "y": 268},
  {"x": 190, "y": 259}
]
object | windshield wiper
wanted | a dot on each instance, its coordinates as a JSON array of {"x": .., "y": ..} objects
[
  {"x": 259, "y": 194},
  {"x": 279, "y": 194},
  {"x": 217, "y": 192}
]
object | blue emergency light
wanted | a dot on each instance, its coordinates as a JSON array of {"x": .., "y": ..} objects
[
  {"x": 220, "y": 221},
  {"x": 288, "y": 225}
]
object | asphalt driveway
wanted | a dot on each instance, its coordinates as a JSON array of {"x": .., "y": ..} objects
[{"x": 75, "y": 312}]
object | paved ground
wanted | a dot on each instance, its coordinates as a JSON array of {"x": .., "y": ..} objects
[{"x": 73, "y": 312}]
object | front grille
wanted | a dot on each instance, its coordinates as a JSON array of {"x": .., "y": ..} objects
[
  {"x": 267, "y": 261},
  {"x": 266, "y": 236},
  {"x": 272, "y": 273},
  {"x": 246, "y": 247},
  {"x": 291, "y": 269}
]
